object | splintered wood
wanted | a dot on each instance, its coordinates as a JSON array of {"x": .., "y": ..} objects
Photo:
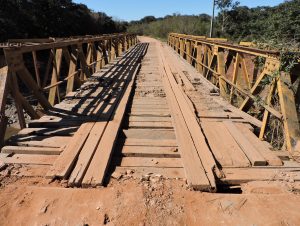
[{"x": 147, "y": 113}]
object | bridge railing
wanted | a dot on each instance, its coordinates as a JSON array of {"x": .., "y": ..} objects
[
  {"x": 252, "y": 79},
  {"x": 49, "y": 69}
]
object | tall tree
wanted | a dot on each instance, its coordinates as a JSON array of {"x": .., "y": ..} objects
[{"x": 225, "y": 6}]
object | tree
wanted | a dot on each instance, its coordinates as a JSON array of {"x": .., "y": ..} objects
[{"x": 225, "y": 6}]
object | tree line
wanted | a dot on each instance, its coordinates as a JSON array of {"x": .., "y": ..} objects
[
  {"x": 52, "y": 18},
  {"x": 280, "y": 23}
]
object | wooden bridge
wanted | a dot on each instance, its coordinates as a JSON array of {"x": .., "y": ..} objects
[{"x": 196, "y": 108}]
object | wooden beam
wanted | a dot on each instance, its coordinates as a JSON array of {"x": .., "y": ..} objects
[
  {"x": 3, "y": 97},
  {"x": 54, "y": 91},
  {"x": 289, "y": 112},
  {"x": 26, "y": 77}
]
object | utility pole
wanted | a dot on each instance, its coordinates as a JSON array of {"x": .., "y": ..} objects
[{"x": 212, "y": 20}]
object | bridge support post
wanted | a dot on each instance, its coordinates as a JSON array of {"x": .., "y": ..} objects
[{"x": 188, "y": 51}]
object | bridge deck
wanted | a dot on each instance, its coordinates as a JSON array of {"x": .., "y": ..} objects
[{"x": 148, "y": 112}]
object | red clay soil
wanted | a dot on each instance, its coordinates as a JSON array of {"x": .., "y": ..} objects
[{"x": 156, "y": 201}]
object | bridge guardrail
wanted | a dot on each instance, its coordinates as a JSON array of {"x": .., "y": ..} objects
[
  {"x": 251, "y": 79},
  {"x": 53, "y": 67}
]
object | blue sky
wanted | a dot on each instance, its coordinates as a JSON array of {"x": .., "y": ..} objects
[{"x": 136, "y": 9}]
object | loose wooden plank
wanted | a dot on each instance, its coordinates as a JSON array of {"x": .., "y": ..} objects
[
  {"x": 193, "y": 130},
  {"x": 223, "y": 146},
  {"x": 30, "y": 159},
  {"x": 63, "y": 165},
  {"x": 193, "y": 167},
  {"x": 138, "y": 172},
  {"x": 253, "y": 155},
  {"x": 149, "y": 162},
  {"x": 31, "y": 150},
  {"x": 243, "y": 175},
  {"x": 87, "y": 153},
  {"x": 148, "y": 151},
  {"x": 100, "y": 162},
  {"x": 260, "y": 146}
]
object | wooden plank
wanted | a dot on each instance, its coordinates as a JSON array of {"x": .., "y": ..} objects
[
  {"x": 150, "y": 142},
  {"x": 86, "y": 154},
  {"x": 162, "y": 125},
  {"x": 63, "y": 165},
  {"x": 237, "y": 176},
  {"x": 149, "y": 119},
  {"x": 139, "y": 172},
  {"x": 253, "y": 155},
  {"x": 31, "y": 150},
  {"x": 149, "y": 106},
  {"x": 150, "y": 134},
  {"x": 193, "y": 167},
  {"x": 149, "y": 114},
  {"x": 68, "y": 131},
  {"x": 189, "y": 129},
  {"x": 100, "y": 162},
  {"x": 54, "y": 124},
  {"x": 261, "y": 146},
  {"x": 30, "y": 159},
  {"x": 40, "y": 141},
  {"x": 223, "y": 146},
  {"x": 149, "y": 162},
  {"x": 148, "y": 151}
]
